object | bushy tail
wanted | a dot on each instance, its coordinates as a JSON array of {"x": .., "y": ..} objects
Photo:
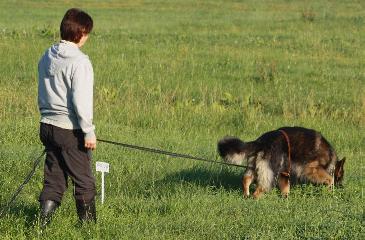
[{"x": 231, "y": 149}]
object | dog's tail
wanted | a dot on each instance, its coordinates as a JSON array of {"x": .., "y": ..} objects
[{"x": 231, "y": 149}]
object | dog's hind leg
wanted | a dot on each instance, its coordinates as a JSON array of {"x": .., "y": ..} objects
[
  {"x": 284, "y": 184},
  {"x": 246, "y": 182},
  {"x": 265, "y": 177},
  {"x": 317, "y": 174}
]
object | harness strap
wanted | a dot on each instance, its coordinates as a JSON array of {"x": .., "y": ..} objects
[{"x": 287, "y": 173}]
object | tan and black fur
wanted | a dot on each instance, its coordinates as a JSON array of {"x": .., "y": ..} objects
[{"x": 312, "y": 159}]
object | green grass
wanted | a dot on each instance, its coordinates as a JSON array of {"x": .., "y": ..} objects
[{"x": 179, "y": 75}]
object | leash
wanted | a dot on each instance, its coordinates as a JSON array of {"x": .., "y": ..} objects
[
  {"x": 163, "y": 152},
  {"x": 287, "y": 173},
  {"x": 145, "y": 149},
  {"x": 20, "y": 188}
]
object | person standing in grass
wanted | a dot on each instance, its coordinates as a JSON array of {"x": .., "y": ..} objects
[{"x": 65, "y": 100}]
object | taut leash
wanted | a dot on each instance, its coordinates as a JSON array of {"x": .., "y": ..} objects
[
  {"x": 145, "y": 149},
  {"x": 163, "y": 152}
]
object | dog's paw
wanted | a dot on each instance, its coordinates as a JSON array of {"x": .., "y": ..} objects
[
  {"x": 256, "y": 196},
  {"x": 258, "y": 193}
]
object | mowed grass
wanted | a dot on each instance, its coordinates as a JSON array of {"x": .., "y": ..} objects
[{"x": 179, "y": 75}]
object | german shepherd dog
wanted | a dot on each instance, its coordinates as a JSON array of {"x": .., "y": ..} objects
[{"x": 284, "y": 156}]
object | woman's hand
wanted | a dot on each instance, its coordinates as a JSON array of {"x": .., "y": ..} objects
[{"x": 90, "y": 143}]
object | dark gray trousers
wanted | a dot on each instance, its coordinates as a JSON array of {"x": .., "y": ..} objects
[{"x": 66, "y": 157}]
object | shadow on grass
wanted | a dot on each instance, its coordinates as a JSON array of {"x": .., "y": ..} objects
[
  {"x": 28, "y": 212},
  {"x": 231, "y": 180},
  {"x": 207, "y": 177}
]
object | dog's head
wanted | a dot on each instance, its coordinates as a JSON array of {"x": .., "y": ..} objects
[{"x": 339, "y": 172}]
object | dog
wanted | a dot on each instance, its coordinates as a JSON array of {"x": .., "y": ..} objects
[{"x": 284, "y": 156}]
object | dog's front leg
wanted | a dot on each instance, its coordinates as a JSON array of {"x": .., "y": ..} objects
[
  {"x": 284, "y": 184},
  {"x": 316, "y": 174},
  {"x": 246, "y": 182}
]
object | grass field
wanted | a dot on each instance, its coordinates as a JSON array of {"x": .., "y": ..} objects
[{"x": 179, "y": 75}]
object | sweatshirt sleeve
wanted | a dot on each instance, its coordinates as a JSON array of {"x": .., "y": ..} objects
[{"x": 82, "y": 96}]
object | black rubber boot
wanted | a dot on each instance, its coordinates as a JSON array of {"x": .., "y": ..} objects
[
  {"x": 48, "y": 207},
  {"x": 86, "y": 211}
]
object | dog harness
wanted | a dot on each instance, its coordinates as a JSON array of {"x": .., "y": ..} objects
[{"x": 287, "y": 173}]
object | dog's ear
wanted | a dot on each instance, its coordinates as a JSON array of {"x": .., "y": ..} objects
[
  {"x": 343, "y": 161},
  {"x": 339, "y": 171},
  {"x": 340, "y": 164}
]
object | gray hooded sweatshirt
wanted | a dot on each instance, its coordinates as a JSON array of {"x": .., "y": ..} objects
[{"x": 65, "y": 88}]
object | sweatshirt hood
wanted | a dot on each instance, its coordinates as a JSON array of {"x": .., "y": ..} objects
[
  {"x": 64, "y": 49},
  {"x": 61, "y": 54}
]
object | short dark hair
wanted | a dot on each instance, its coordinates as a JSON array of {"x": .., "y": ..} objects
[{"x": 74, "y": 24}]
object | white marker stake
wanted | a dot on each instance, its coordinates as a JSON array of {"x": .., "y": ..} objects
[{"x": 102, "y": 167}]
